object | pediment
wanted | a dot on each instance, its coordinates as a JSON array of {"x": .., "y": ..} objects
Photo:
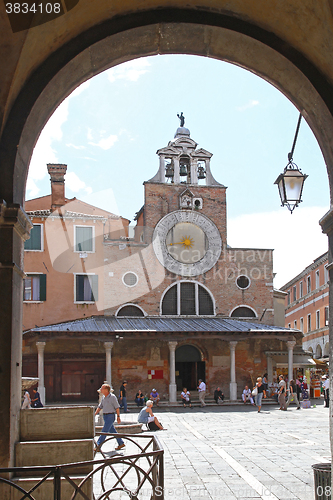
[
  {"x": 185, "y": 142},
  {"x": 202, "y": 153},
  {"x": 168, "y": 150},
  {"x": 187, "y": 192}
]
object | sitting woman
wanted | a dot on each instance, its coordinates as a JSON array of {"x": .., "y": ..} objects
[
  {"x": 139, "y": 398},
  {"x": 186, "y": 397},
  {"x": 146, "y": 416}
]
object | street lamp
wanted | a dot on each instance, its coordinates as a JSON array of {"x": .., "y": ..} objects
[{"x": 291, "y": 182}]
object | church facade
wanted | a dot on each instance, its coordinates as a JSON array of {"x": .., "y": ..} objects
[{"x": 178, "y": 304}]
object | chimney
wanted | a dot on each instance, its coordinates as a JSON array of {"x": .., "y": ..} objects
[{"x": 57, "y": 173}]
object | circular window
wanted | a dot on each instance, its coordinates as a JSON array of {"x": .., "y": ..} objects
[
  {"x": 243, "y": 282},
  {"x": 130, "y": 279}
]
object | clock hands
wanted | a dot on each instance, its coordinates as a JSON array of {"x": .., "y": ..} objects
[{"x": 187, "y": 241}]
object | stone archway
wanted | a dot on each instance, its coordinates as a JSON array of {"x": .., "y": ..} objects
[{"x": 161, "y": 31}]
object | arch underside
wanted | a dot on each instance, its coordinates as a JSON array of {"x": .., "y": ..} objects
[{"x": 236, "y": 42}]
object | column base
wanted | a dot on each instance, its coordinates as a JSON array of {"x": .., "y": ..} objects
[
  {"x": 172, "y": 393},
  {"x": 233, "y": 391}
]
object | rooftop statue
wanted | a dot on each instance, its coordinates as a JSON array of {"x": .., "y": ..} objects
[{"x": 182, "y": 119}]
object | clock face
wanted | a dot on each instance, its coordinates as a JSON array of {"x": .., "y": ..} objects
[{"x": 187, "y": 243}]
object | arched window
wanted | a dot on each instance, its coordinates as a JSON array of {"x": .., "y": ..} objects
[
  {"x": 130, "y": 310},
  {"x": 318, "y": 352},
  {"x": 243, "y": 312},
  {"x": 187, "y": 298}
]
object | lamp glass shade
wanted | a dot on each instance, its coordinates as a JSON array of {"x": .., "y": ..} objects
[{"x": 290, "y": 185}]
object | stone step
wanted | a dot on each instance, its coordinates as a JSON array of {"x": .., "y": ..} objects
[
  {"x": 45, "y": 491},
  {"x": 31, "y": 453},
  {"x": 52, "y": 423}
]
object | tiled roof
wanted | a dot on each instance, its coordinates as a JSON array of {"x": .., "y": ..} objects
[{"x": 107, "y": 324}]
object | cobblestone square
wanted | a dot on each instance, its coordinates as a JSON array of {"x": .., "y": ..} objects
[{"x": 230, "y": 452}]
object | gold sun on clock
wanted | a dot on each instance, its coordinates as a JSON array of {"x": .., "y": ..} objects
[{"x": 187, "y": 242}]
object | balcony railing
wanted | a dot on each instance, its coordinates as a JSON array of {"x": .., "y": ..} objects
[{"x": 137, "y": 475}]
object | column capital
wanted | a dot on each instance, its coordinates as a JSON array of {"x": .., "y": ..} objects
[
  {"x": 291, "y": 344},
  {"x": 13, "y": 215},
  {"x": 40, "y": 346},
  {"x": 232, "y": 344},
  {"x": 172, "y": 345},
  {"x": 326, "y": 222},
  {"x": 108, "y": 345}
]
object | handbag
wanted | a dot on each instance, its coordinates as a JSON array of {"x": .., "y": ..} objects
[{"x": 255, "y": 391}]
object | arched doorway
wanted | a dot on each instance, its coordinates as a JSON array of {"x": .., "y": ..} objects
[
  {"x": 241, "y": 39},
  {"x": 189, "y": 367}
]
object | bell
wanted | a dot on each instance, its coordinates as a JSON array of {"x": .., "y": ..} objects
[
  {"x": 169, "y": 170},
  {"x": 201, "y": 173},
  {"x": 183, "y": 170}
]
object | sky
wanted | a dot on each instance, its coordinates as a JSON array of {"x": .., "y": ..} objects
[{"x": 109, "y": 129}]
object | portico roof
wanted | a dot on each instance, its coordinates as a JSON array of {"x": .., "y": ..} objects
[{"x": 100, "y": 325}]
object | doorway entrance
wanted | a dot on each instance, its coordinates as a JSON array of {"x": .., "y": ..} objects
[{"x": 189, "y": 367}]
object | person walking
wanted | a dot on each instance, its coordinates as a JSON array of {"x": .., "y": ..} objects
[
  {"x": 260, "y": 393},
  {"x": 326, "y": 387},
  {"x": 26, "y": 401},
  {"x": 293, "y": 395},
  {"x": 122, "y": 397},
  {"x": 110, "y": 406},
  {"x": 202, "y": 392},
  {"x": 282, "y": 393},
  {"x": 36, "y": 402}
]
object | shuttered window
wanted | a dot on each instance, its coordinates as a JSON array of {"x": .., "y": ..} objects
[
  {"x": 35, "y": 240},
  {"x": 84, "y": 239},
  {"x": 34, "y": 288},
  {"x": 130, "y": 311},
  {"x": 243, "y": 312},
  {"x": 86, "y": 288},
  {"x": 187, "y": 298},
  {"x": 169, "y": 305}
]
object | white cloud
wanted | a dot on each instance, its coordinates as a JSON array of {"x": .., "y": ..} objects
[
  {"x": 297, "y": 239},
  {"x": 130, "y": 71},
  {"x": 106, "y": 143},
  {"x": 75, "y": 147},
  {"x": 89, "y": 134},
  {"x": 32, "y": 189},
  {"x": 251, "y": 104},
  {"x": 104, "y": 199},
  {"x": 74, "y": 183}
]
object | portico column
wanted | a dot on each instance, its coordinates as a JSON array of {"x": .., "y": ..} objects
[
  {"x": 172, "y": 385},
  {"x": 108, "y": 347},
  {"x": 41, "y": 386},
  {"x": 291, "y": 344},
  {"x": 233, "y": 384},
  {"x": 269, "y": 369}
]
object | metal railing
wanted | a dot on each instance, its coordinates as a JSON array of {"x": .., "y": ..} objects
[{"x": 134, "y": 476}]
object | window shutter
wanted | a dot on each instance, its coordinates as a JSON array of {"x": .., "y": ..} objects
[
  {"x": 169, "y": 305},
  {"x": 79, "y": 288},
  {"x": 42, "y": 287},
  {"x": 35, "y": 240},
  {"x": 205, "y": 302},
  {"x": 94, "y": 287},
  {"x": 187, "y": 299},
  {"x": 84, "y": 241}
]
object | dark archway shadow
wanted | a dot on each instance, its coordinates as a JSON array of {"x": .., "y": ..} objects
[{"x": 162, "y": 31}]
